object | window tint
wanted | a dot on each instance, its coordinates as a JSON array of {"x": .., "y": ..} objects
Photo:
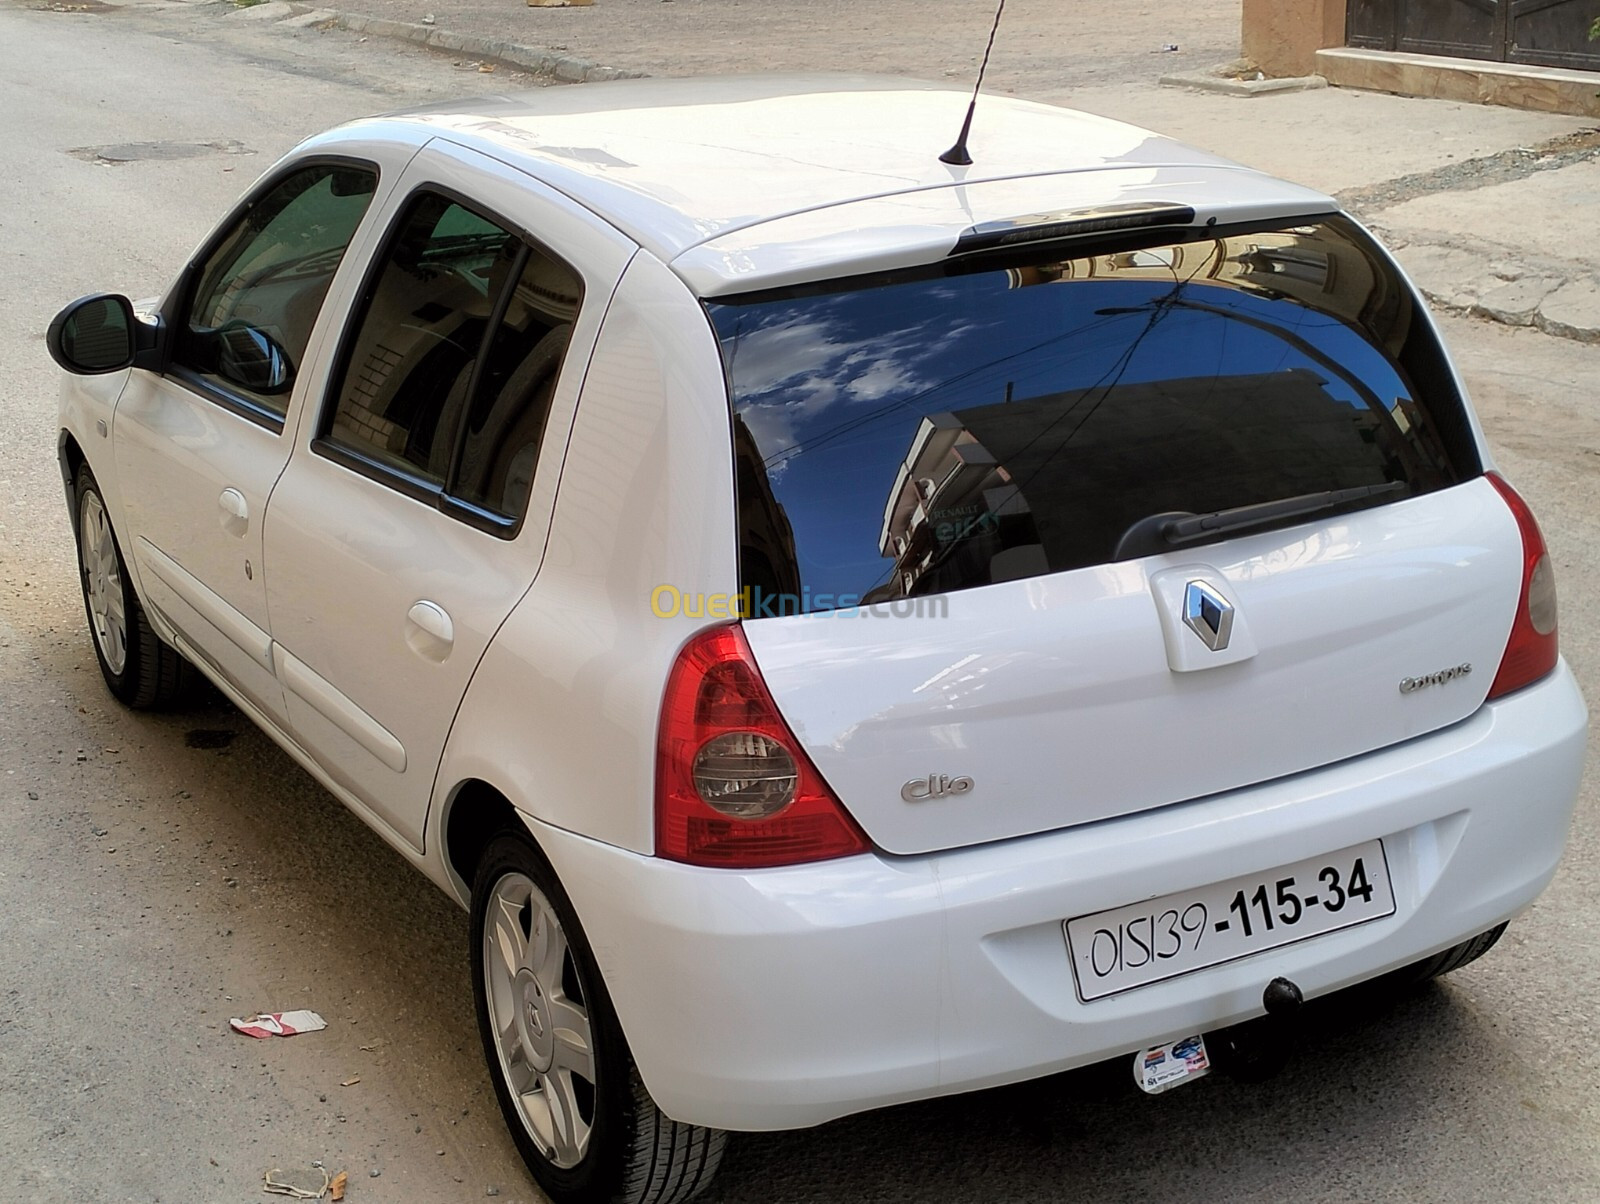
[
  {"x": 990, "y": 420},
  {"x": 407, "y": 375},
  {"x": 450, "y": 376},
  {"x": 259, "y": 292}
]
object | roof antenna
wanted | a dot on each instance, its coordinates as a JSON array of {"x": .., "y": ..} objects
[{"x": 957, "y": 155}]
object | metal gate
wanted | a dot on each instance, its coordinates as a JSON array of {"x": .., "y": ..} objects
[{"x": 1546, "y": 33}]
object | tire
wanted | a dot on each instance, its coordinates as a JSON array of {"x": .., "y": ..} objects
[
  {"x": 141, "y": 670},
  {"x": 585, "y": 1124},
  {"x": 1451, "y": 959}
]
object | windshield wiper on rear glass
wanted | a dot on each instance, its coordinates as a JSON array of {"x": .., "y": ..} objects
[{"x": 1176, "y": 529}]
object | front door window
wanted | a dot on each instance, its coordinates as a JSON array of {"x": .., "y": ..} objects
[{"x": 258, "y": 292}]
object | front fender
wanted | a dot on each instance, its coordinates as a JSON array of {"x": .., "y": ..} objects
[{"x": 85, "y": 410}]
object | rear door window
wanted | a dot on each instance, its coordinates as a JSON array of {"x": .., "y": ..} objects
[
  {"x": 994, "y": 419},
  {"x": 406, "y": 377},
  {"x": 521, "y": 359},
  {"x": 448, "y": 374}
]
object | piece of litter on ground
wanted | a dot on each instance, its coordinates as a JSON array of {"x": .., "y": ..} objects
[
  {"x": 279, "y": 1024},
  {"x": 1169, "y": 48},
  {"x": 485, "y": 68},
  {"x": 336, "y": 1188},
  {"x": 300, "y": 1186},
  {"x": 351, "y": 1082}
]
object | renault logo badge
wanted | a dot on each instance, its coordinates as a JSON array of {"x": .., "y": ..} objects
[{"x": 1208, "y": 614}]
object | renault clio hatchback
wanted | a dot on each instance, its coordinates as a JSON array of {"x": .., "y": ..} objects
[{"x": 850, "y": 628}]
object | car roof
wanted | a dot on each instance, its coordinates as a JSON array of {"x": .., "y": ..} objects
[{"x": 749, "y": 181}]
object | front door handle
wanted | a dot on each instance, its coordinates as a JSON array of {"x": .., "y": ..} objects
[
  {"x": 429, "y": 631},
  {"x": 235, "y": 512}
]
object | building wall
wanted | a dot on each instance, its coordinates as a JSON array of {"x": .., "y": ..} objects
[{"x": 1283, "y": 36}]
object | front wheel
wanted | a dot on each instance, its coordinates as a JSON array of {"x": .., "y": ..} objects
[
  {"x": 573, "y": 1099},
  {"x": 140, "y": 669}
]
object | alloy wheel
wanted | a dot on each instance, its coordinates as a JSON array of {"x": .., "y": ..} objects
[
  {"x": 102, "y": 583},
  {"x": 541, "y": 1025}
]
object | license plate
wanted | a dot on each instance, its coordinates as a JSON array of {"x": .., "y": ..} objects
[{"x": 1148, "y": 942}]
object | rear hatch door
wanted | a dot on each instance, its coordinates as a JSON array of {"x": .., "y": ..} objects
[{"x": 1044, "y": 537}]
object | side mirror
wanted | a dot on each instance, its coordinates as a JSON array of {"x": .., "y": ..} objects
[
  {"x": 251, "y": 358},
  {"x": 94, "y": 335}
]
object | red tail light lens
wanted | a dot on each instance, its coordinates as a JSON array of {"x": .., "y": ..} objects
[
  {"x": 1533, "y": 647},
  {"x": 733, "y": 786}
]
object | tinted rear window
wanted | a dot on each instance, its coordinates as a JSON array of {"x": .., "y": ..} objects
[{"x": 986, "y": 421}]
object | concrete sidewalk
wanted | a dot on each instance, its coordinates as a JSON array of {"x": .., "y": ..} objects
[{"x": 1493, "y": 209}]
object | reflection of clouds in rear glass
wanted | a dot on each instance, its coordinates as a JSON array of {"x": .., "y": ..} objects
[
  {"x": 776, "y": 352},
  {"x": 812, "y": 366},
  {"x": 882, "y": 378},
  {"x": 772, "y": 428},
  {"x": 788, "y": 370}
]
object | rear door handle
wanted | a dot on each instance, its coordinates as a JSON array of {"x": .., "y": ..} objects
[
  {"x": 429, "y": 631},
  {"x": 235, "y": 512}
]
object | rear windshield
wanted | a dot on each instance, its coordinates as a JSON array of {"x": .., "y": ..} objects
[{"x": 990, "y": 420}]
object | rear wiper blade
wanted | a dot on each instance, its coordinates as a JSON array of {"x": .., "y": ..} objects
[
  {"x": 1162, "y": 532},
  {"x": 1187, "y": 530}
]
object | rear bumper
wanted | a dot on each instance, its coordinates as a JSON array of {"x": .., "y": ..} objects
[{"x": 785, "y": 998}]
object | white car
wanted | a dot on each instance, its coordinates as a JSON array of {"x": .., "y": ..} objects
[{"x": 851, "y": 628}]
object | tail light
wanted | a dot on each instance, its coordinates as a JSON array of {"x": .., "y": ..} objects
[
  {"x": 1531, "y": 651},
  {"x": 733, "y": 786}
]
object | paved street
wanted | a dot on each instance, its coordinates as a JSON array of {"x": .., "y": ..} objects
[{"x": 161, "y": 874}]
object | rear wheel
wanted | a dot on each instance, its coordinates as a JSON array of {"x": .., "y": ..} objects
[
  {"x": 1451, "y": 959},
  {"x": 140, "y": 669},
  {"x": 566, "y": 1082}
]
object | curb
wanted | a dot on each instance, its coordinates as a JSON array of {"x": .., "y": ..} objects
[
  {"x": 563, "y": 67},
  {"x": 566, "y": 68},
  {"x": 1210, "y": 81},
  {"x": 1515, "y": 85}
]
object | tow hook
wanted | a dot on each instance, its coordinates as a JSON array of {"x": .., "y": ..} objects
[
  {"x": 1256, "y": 1050},
  {"x": 1251, "y": 1052}
]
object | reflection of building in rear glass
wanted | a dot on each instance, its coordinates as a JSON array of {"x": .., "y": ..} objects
[
  {"x": 954, "y": 508},
  {"x": 767, "y": 560},
  {"x": 1005, "y": 491},
  {"x": 1312, "y": 264}
]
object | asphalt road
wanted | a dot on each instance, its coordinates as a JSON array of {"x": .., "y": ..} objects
[{"x": 161, "y": 874}]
